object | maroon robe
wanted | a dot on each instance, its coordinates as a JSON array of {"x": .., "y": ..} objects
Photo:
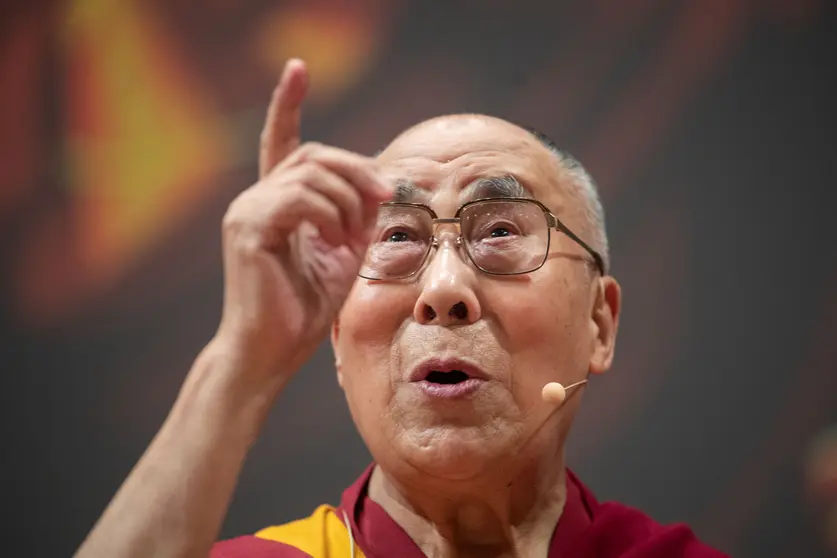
[{"x": 586, "y": 529}]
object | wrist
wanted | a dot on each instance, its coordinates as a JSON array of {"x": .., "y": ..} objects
[{"x": 229, "y": 390}]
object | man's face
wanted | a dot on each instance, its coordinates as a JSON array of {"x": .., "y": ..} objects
[{"x": 520, "y": 332}]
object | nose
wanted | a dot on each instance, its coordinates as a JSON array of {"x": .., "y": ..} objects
[{"x": 448, "y": 296}]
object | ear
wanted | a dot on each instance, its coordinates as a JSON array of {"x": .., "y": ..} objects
[
  {"x": 604, "y": 322},
  {"x": 335, "y": 335}
]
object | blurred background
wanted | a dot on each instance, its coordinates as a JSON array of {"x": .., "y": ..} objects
[{"x": 710, "y": 125}]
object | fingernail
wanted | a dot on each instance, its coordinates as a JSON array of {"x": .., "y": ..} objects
[{"x": 291, "y": 62}]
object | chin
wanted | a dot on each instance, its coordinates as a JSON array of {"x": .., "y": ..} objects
[{"x": 452, "y": 453}]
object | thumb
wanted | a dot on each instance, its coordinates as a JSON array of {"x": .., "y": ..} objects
[{"x": 280, "y": 135}]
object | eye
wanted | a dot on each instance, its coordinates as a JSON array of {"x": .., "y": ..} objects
[
  {"x": 397, "y": 236},
  {"x": 498, "y": 232},
  {"x": 497, "y": 228}
]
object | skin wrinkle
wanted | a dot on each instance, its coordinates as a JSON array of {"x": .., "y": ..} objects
[
  {"x": 501, "y": 186},
  {"x": 456, "y": 475}
]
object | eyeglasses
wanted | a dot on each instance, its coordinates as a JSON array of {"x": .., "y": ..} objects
[{"x": 508, "y": 236}]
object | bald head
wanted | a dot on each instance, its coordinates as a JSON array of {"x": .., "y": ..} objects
[{"x": 445, "y": 138}]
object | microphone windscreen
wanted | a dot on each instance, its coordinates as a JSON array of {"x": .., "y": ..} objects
[{"x": 553, "y": 392}]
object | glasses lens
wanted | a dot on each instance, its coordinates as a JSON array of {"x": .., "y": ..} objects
[
  {"x": 505, "y": 237},
  {"x": 400, "y": 244}
]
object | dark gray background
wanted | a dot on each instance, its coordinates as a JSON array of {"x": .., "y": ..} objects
[{"x": 711, "y": 129}]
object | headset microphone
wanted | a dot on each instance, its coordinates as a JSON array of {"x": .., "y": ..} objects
[{"x": 556, "y": 393}]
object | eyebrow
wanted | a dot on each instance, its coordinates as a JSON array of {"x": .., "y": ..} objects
[
  {"x": 408, "y": 192},
  {"x": 505, "y": 186}
]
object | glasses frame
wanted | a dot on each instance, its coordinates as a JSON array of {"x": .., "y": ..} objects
[{"x": 552, "y": 222}]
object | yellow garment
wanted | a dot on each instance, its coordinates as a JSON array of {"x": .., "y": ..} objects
[{"x": 323, "y": 534}]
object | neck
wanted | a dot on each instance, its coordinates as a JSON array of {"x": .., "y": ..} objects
[{"x": 498, "y": 515}]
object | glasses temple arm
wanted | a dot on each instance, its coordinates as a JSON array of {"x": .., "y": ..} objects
[{"x": 558, "y": 225}]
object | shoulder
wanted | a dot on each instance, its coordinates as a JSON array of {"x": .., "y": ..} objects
[
  {"x": 625, "y": 532},
  {"x": 613, "y": 530},
  {"x": 322, "y": 534}
]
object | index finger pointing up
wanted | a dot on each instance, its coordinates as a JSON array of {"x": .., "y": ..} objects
[{"x": 280, "y": 135}]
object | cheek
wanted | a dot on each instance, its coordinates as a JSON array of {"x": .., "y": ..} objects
[
  {"x": 370, "y": 320},
  {"x": 542, "y": 323},
  {"x": 373, "y": 314}
]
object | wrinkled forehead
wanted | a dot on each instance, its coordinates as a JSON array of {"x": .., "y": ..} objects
[{"x": 457, "y": 151}]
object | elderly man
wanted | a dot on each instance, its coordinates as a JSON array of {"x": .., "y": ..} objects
[{"x": 462, "y": 275}]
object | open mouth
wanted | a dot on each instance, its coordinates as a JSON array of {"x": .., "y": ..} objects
[{"x": 446, "y": 378}]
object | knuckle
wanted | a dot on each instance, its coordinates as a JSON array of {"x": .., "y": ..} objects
[
  {"x": 238, "y": 231},
  {"x": 293, "y": 197},
  {"x": 256, "y": 215},
  {"x": 308, "y": 150},
  {"x": 308, "y": 170},
  {"x": 292, "y": 202},
  {"x": 234, "y": 215},
  {"x": 246, "y": 244}
]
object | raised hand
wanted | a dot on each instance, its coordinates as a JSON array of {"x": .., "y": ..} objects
[
  {"x": 294, "y": 241},
  {"x": 293, "y": 244}
]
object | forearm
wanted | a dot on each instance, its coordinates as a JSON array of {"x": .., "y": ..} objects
[{"x": 175, "y": 499}]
